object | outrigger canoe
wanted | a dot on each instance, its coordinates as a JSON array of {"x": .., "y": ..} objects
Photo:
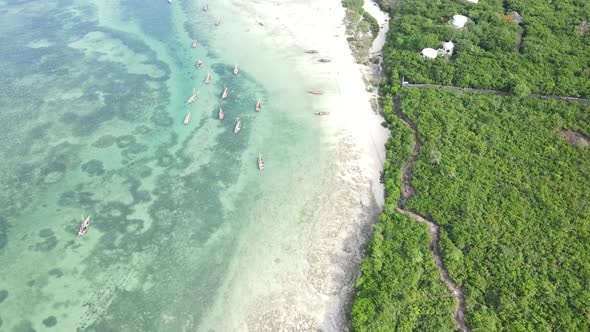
[{"x": 84, "y": 226}]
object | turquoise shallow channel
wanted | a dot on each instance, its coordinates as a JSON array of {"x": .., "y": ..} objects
[{"x": 92, "y": 102}]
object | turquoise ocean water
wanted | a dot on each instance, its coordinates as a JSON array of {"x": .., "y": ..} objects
[{"x": 92, "y": 101}]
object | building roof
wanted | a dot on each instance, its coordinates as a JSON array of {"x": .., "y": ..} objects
[
  {"x": 429, "y": 53},
  {"x": 448, "y": 46},
  {"x": 459, "y": 21}
]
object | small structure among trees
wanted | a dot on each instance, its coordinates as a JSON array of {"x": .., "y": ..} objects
[
  {"x": 459, "y": 21},
  {"x": 447, "y": 48},
  {"x": 429, "y": 53}
]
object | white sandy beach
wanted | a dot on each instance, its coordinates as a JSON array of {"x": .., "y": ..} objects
[
  {"x": 308, "y": 281},
  {"x": 318, "y": 25}
]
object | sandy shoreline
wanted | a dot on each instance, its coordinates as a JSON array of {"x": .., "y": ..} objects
[
  {"x": 318, "y": 25},
  {"x": 307, "y": 282}
]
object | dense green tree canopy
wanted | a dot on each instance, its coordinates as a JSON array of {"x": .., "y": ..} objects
[
  {"x": 548, "y": 53},
  {"x": 509, "y": 192},
  {"x": 513, "y": 199},
  {"x": 511, "y": 196}
]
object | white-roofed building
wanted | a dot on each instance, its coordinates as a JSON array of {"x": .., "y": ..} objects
[
  {"x": 429, "y": 53},
  {"x": 448, "y": 48},
  {"x": 459, "y": 21},
  {"x": 473, "y": 1}
]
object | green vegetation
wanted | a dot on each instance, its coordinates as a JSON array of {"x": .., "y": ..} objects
[
  {"x": 549, "y": 53},
  {"x": 374, "y": 25},
  {"x": 361, "y": 27},
  {"x": 400, "y": 288},
  {"x": 509, "y": 192},
  {"x": 399, "y": 147},
  {"x": 354, "y": 5},
  {"x": 386, "y": 5},
  {"x": 512, "y": 198}
]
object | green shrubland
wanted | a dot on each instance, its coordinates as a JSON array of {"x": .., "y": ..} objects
[
  {"x": 548, "y": 53},
  {"x": 400, "y": 288},
  {"x": 510, "y": 194},
  {"x": 357, "y": 7},
  {"x": 513, "y": 201}
]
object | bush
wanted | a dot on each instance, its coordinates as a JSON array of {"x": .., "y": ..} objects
[{"x": 374, "y": 25}]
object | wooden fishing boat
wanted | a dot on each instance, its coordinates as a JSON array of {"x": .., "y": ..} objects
[
  {"x": 260, "y": 162},
  {"x": 325, "y": 60},
  {"x": 170, "y": 1},
  {"x": 199, "y": 64},
  {"x": 84, "y": 226},
  {"x": 321, "y": 113},
  {"x": 224, "y": 94},
  {"x": 315, "y": 92},
  {"x": 194, "y": 44},
  {"x": 311, "y": 51},
  {"x": 236, "y": 70},
  {"x": 192, "y": 98},
  {"x": 238, "y": 126},
  {"x": 187, "y": 118},
  {"x": 258, "y": 105},
  {"x": 208, "y": 79},
  {"x": 206, "y": 7},
  {"x": 218, "y": 22},
  {"x": 221, "y": 115}
]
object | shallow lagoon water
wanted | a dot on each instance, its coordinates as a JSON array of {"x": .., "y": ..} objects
[{"x": 184, "y": 226}]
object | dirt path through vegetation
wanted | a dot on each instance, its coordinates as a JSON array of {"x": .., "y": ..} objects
[
  {"x": 407, "y": 192},
  {"x": 495, "y": 92}
]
